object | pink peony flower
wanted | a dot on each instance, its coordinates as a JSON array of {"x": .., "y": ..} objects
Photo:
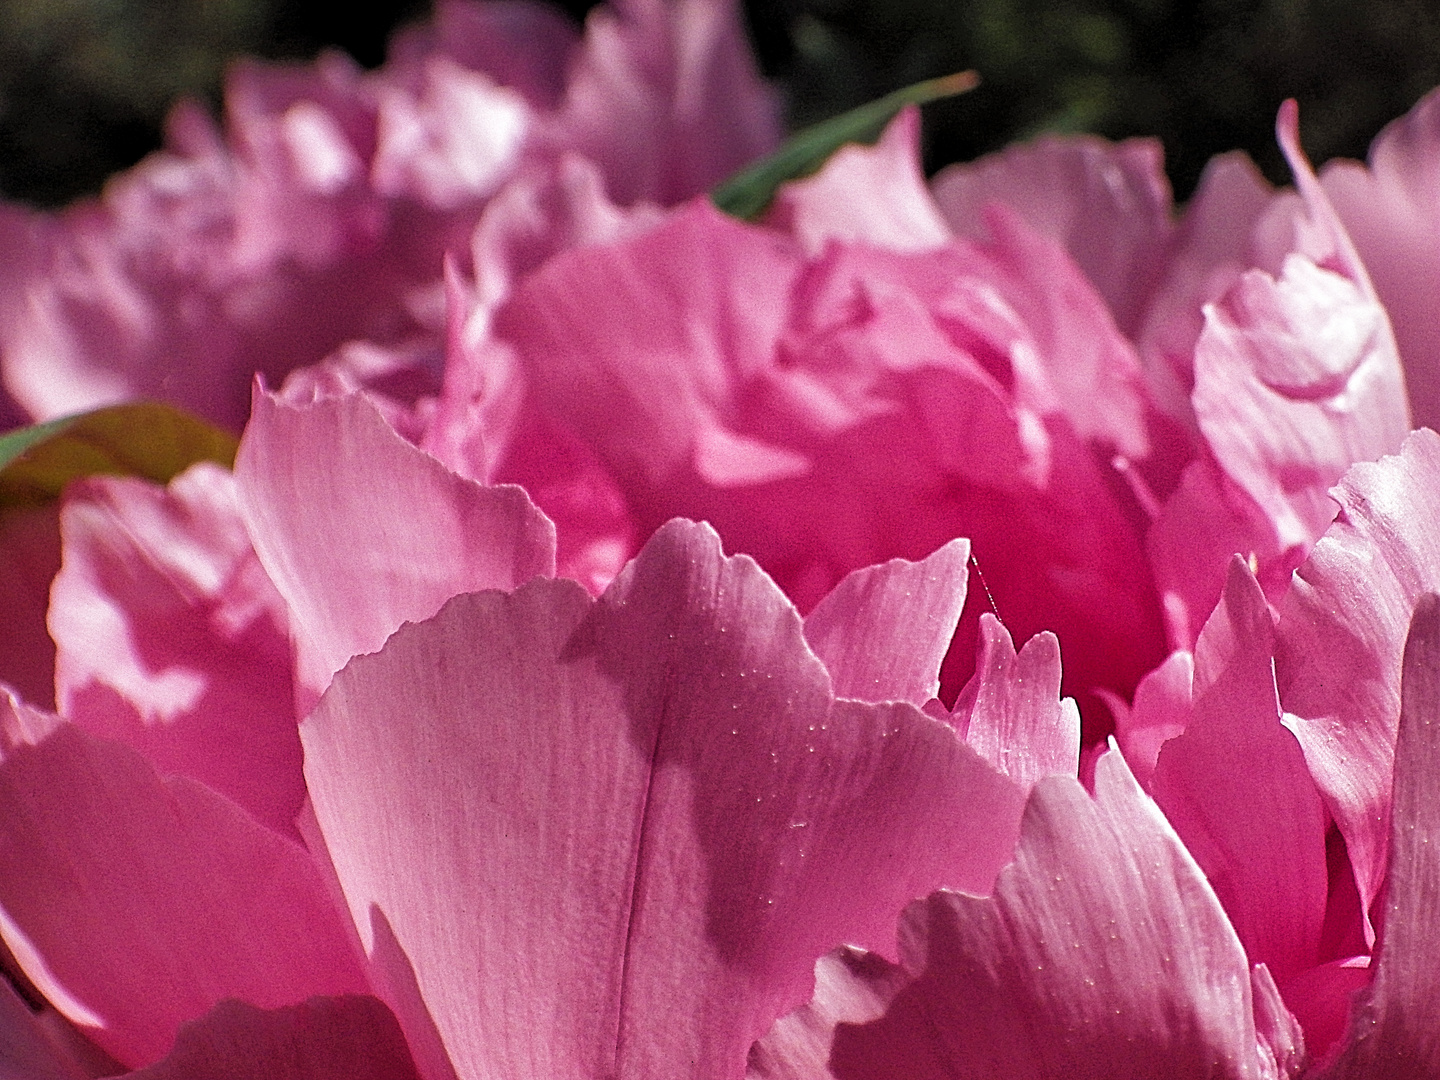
[
  {"x": 323, "y": 211},
  {"x": 442, "y": 740}
]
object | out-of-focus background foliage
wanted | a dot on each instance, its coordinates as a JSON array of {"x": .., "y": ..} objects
[{"x": 85, "y": 84}]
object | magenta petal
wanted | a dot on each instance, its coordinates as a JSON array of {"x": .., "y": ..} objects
[
  {"x": 883, "y": 630},
  {"x": 135, "y": 904},
  {"x": 360, "y": 531},
  {"x": 611, "y": 837},
  {"x": 29, "y": 561},
  {"x": 324, "y": 1038},
  {"x": 1236, "y": 788},
  {"x": 872, "y": 194},
  {"x": 1341, "y": 637},
  {"x": 26, "y": 1052},
  {"x": 1011, "y": 711},
  {"x": 1103, "y": 954},
  {"x": 171, "y": 638},
  {"x": 1393, "y": 1032}
]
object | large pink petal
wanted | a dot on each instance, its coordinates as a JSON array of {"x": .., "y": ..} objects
[
  {"x": 1341, "y": 637},
  {"x": 360, "y": 531},
  {"x": 1393, "y": 1030},
  {"x": 1107, "y": 204},
  {"x": 872, "y": 194},
  {"x": 1392, "y": 210},
  {"x": 832, "y": 414},
  {"x": 883, "y": 631},
  {"x": 324, "y": 1038},
  {"x": 1011, "y": 711},
  {"x": 171, "y": 638},
  {"x": 135, "y": 904},
  {"x": 1296, "y": 378},
  {"x": 1102, "y": 954},
  {"x": 1236, "y": 789},
  {"x": 611, "y": 837}
]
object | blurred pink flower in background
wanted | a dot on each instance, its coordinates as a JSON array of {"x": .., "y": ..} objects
[{"x": 438, "y": 698}]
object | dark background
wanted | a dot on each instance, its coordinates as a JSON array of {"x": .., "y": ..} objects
[{"x": 85, "y": 84}]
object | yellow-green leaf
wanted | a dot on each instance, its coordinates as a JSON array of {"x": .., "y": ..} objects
[
  {"x": 747, "y": 193},
  {"x": 144, "y": 439}
]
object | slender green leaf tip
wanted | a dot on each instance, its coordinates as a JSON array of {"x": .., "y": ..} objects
[
  {"x": 748, "y": 193},
  {"x": 145, "y": 439}
]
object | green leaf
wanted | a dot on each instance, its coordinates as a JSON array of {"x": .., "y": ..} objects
[
  {"x": 144, "y": 439},
  {"x": 747, "y": 194}
]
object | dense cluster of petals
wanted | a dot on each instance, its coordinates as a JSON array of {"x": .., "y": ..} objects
[{"x": 601, "y": 659}]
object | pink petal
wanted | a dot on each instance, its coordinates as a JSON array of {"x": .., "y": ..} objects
[
  {"x": 871, "y": 194},
  {"x": 1107, "y": 204},
  {"x": 1161, "y": 711},
  {"x": 1390, "y": 211},
  {"x": 1392, "y": 1031},
  {"x": 883, "y": 631},
  {"x": 666, "y": 99},
  {"x": 135, "y": 904},
  {"x": 1207, "y": 519},
  {"x": 29, "y": 561},
  {"x": 324, "y": 1038},
  {"x": 171, "y": 638},
  {"x": 1296, "y": 379},
  {"x": 1341, "y": 636},
  {"x": 1235, "y": 787},
  {"x": 1102, "y": 954},
  {"x": 611, "y": 837},
  {"x": 830, "y": 415},
  {"x": 360, "y": 531},
  {"x": 1213, "y": 246},
  {"x": 26, "y": 1051},
  {"x": 1011, "y": 711},
  {"x": 520, "y": 44}
]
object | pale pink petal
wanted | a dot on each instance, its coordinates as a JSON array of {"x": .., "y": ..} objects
[
  {"x": 1392, "y": 1031},
  {"x": 1392, "y": 210},
  {"x": 666, "y": 99},
  {"x": 360, "y": 531},
  {"x": 171, "y": 638},
  {"x": 1341, "y": 636},
  {"x": 29, "y": 561},
  {"x": 1161, "y": 711},
  {"x": 1296, "y": 379},
  {"x": 1107, "y": 204},
  {"x": 1103, "y": 954},
  {"x": 1212, "y": 247},
  {"x": 1011, "y": 711},
  {"x": 452, "y": 143},
  {"x": 883, "y": 631},
  {"x": 324, "y": 1038},
  {"x": 1235, "y": 787},
  {"x": 872, "y": 194},
  {"x": 612, "y": 837},
  {"x": 135, "y": 904}
]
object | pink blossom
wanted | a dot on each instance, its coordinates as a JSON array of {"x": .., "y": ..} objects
[
  {"x": 443, "y": 739},
  {"x": 320, "y": 215}
]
